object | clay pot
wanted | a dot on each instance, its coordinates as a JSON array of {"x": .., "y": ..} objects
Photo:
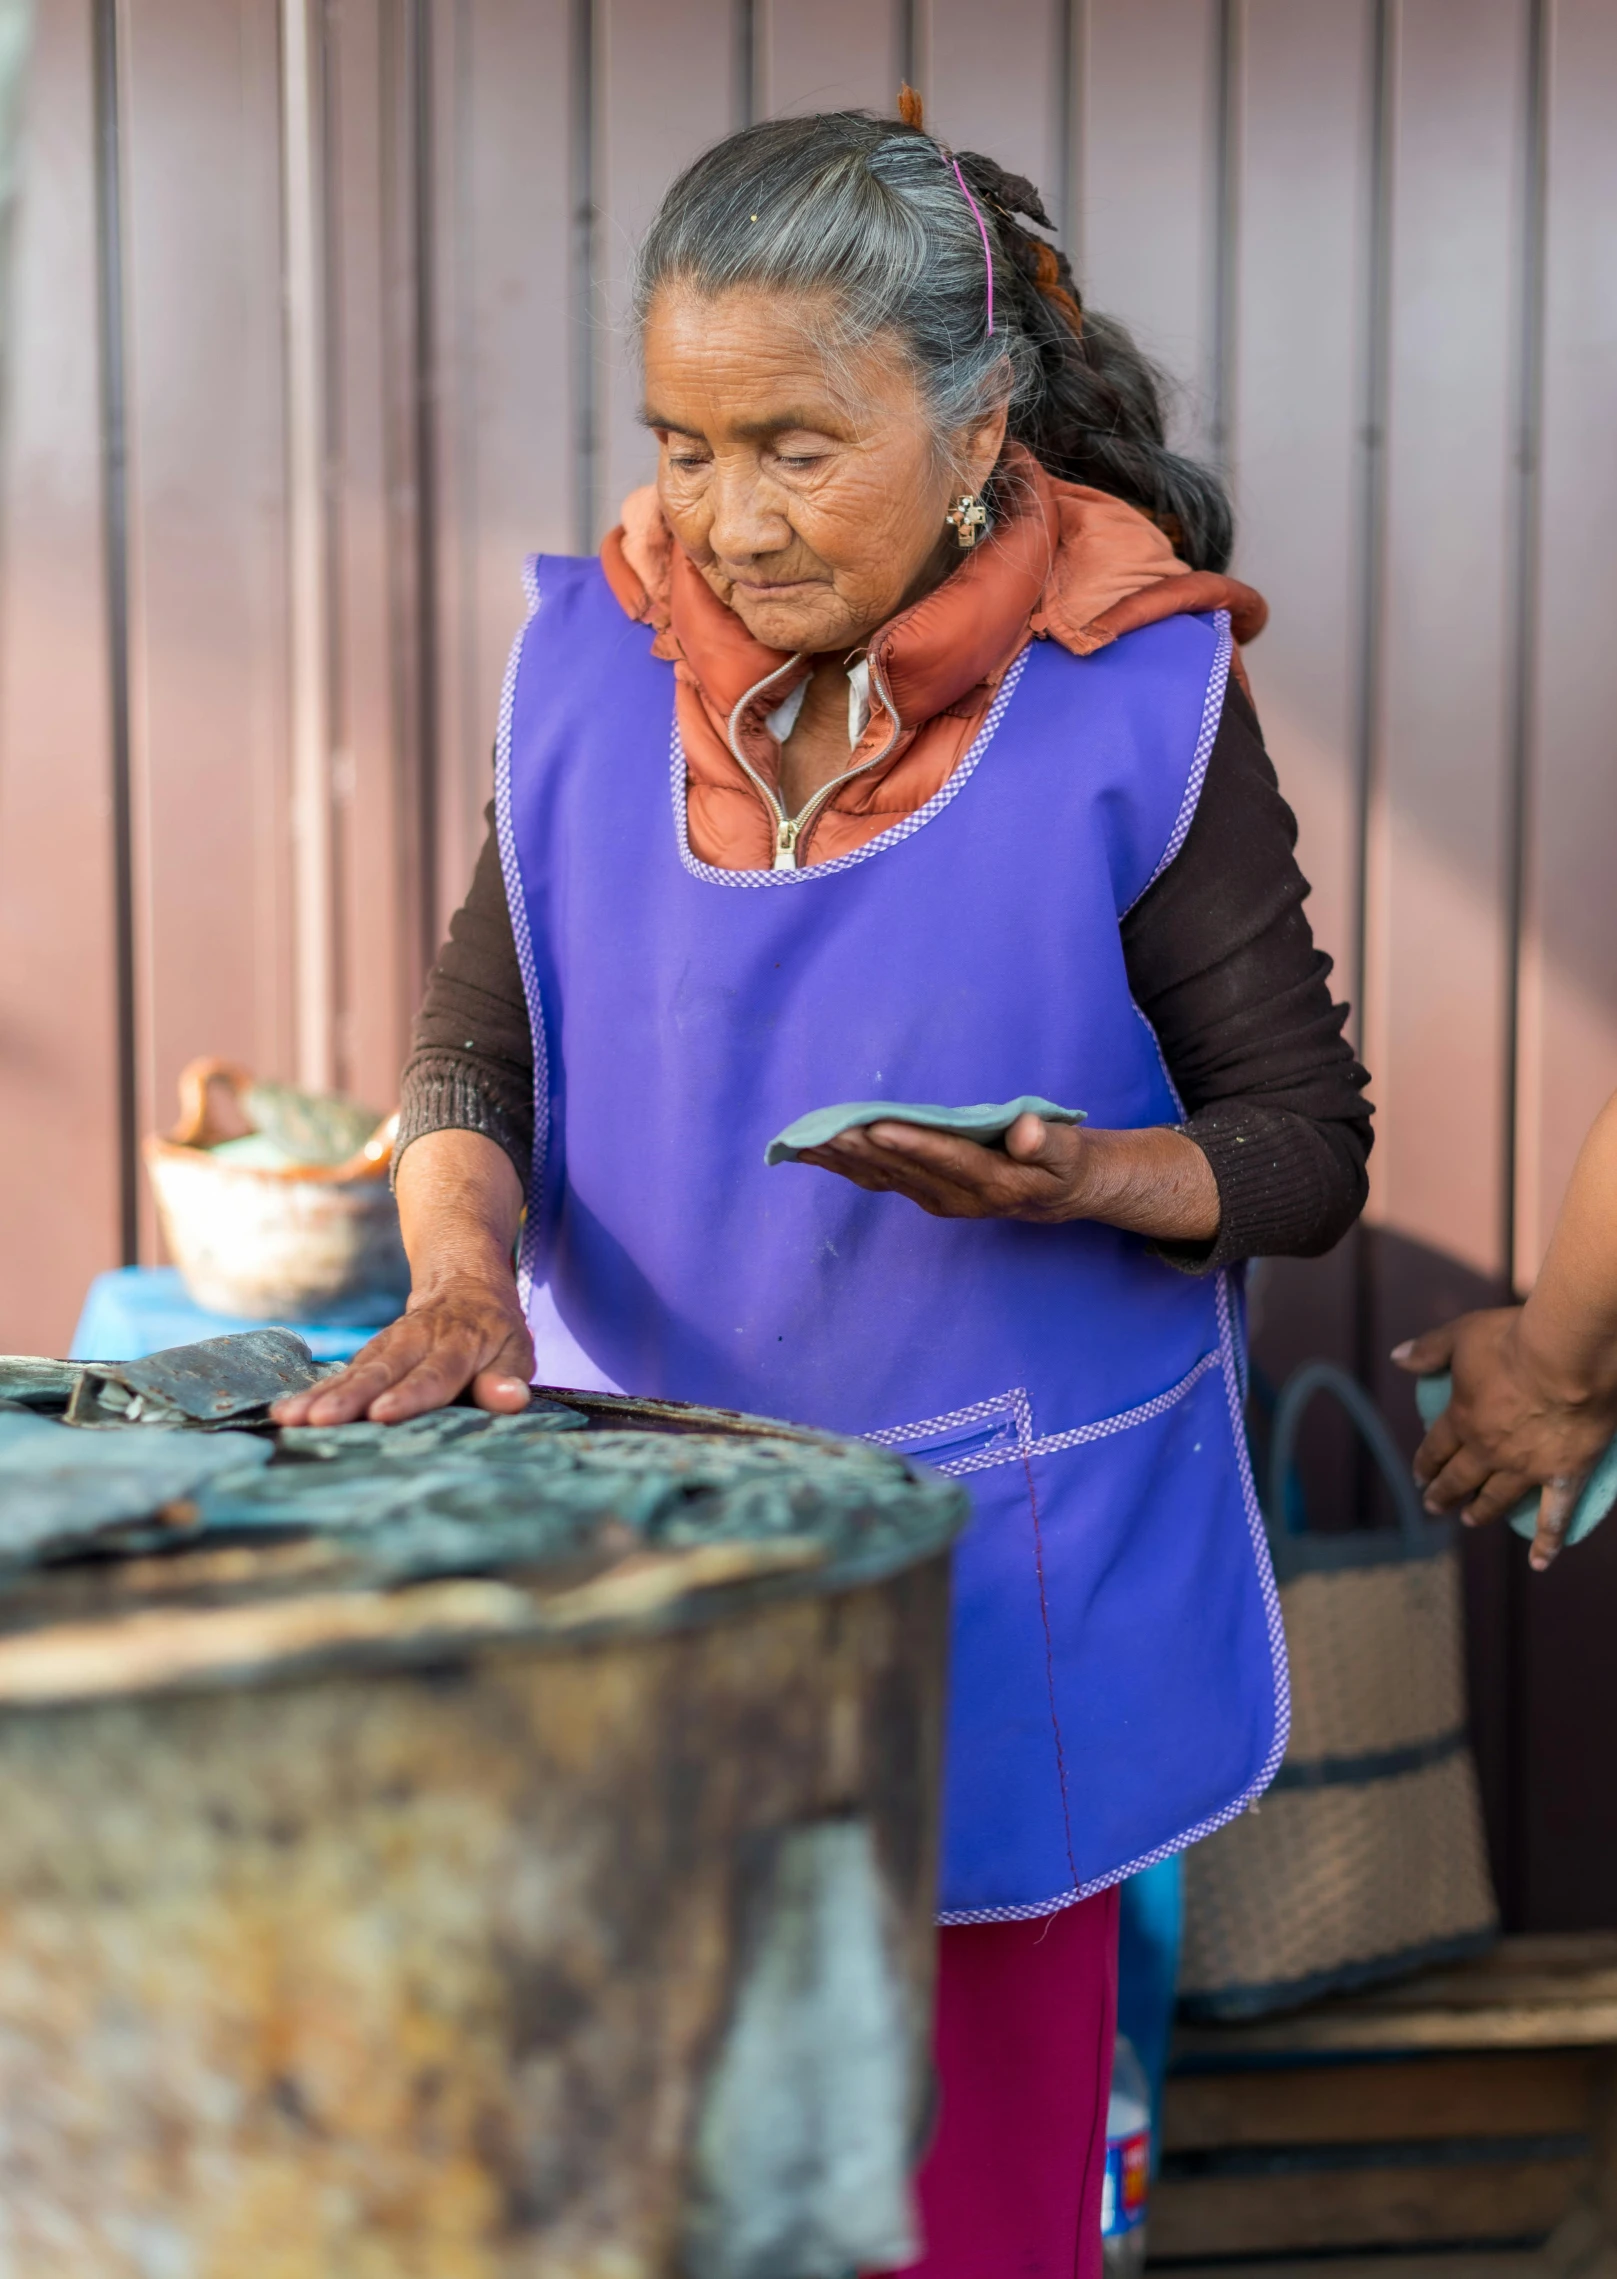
[{"x": 307, "y": 1243}]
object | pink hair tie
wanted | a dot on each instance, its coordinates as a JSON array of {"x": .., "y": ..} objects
[{"x": 988, "y": 251}]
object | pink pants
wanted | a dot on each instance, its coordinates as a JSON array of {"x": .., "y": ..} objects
[{"x": 1011, "y": 2188}]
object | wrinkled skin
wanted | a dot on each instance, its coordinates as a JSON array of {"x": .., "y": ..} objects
[
  {"x": 811, "y": 499},
  {"x": 460, "y": 1204},
  {"x": 813, "y": 505},
  {"x": 811, "y": 495},
  {"x": 1535, "y": 1386},
  {"x": 1154, "y": 1182}
]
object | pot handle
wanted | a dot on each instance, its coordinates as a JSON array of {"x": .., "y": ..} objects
[{"x": 198, "y": 1126}]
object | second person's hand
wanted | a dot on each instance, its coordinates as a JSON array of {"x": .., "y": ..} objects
[{"x": 1513, "y": 1425}]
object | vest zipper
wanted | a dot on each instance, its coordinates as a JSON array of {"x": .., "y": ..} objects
[{"x": 790, "y": 828}]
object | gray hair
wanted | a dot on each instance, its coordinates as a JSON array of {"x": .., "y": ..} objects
[{"x": 867, "y": 216}]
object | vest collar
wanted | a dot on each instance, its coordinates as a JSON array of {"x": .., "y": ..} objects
[{"x": 1063, "y": 563}]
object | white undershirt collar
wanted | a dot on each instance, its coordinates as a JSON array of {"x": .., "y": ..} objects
[{"x": 786, "y": 715}]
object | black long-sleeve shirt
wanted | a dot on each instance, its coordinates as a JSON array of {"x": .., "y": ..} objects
[{"x": 1219, "y": 957}]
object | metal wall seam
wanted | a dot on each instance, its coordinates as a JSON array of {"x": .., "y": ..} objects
[
  {"x": 304, "y": 194},
  {"x": 1521, "y": 670},
  {"x": 113, "y": 354},
  {"x": 1224, "y": 206},
  {"x": 1369, "y": 632},
  {"x": 585, "y": 289},
  {"x": 1066, "y": 201},
  {"x": 744, "y": 63},
  {"x": 1527, "y": 542},
  {"x": 914, "y": 48},
  {"x": 425, "y": 356},
  {"x": 1373, "y": 499}
]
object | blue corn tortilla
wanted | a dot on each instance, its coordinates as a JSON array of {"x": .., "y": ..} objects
[
  {"x": 985, "y": 1123},
  {"x": 454, "y": 1492},
  {"x": 61, "y": 1489}
]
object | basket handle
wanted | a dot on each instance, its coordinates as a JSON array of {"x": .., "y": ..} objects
[{"x": 1325, "y": 1377}]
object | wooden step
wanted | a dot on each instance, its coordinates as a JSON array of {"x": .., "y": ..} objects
[
  {"x": 1496, "y": 2094},
  {"x": 1471, "y": 2263},
  {"x": 1505, "y": 2198},
  {"x": 1554, "y": 1991},
  {"x": 1461, "y": 2112}
]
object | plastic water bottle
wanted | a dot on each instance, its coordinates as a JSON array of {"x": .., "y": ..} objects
[{"x": 1128, "y": 2165}]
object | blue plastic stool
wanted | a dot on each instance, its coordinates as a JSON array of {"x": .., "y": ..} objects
[{"x": 136, "y": 1310}]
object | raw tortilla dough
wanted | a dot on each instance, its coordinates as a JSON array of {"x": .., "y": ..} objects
[{"x": 985, "y": 1123}]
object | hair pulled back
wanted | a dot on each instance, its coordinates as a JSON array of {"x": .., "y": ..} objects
[{"x": 866, "y": 213}]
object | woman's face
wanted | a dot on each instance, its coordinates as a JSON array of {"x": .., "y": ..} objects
[{"x": 812, "y": 501}]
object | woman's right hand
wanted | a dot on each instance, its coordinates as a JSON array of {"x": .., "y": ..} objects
[
  {"x": 463, "y": 1332},
  {"x": 460, "y": 1204}
]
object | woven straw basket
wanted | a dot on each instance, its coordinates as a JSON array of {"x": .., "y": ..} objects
[{"x": 1366, "y": 1856}]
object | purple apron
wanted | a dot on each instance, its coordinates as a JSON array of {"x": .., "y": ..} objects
[{"x": 1118, "y": 1684}]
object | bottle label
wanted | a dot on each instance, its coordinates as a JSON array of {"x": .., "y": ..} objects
[{"x": 1128, "y": 2180}]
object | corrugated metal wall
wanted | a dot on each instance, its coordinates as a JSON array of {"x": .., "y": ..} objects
[{"x": 320, "y": 329}]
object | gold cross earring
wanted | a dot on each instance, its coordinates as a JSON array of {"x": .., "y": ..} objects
[{"x": 968, "y": 518}]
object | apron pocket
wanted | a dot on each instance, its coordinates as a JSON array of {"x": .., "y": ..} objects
[
  {"x": 973, "y": 1439},
  {"x": 1116, "y": 1680}
]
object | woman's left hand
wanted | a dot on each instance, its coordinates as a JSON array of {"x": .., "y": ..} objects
[{"x": 1155, "y": 1182}]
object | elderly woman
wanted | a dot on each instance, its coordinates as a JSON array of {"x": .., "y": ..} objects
[{"x": 966, "y": 805}]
